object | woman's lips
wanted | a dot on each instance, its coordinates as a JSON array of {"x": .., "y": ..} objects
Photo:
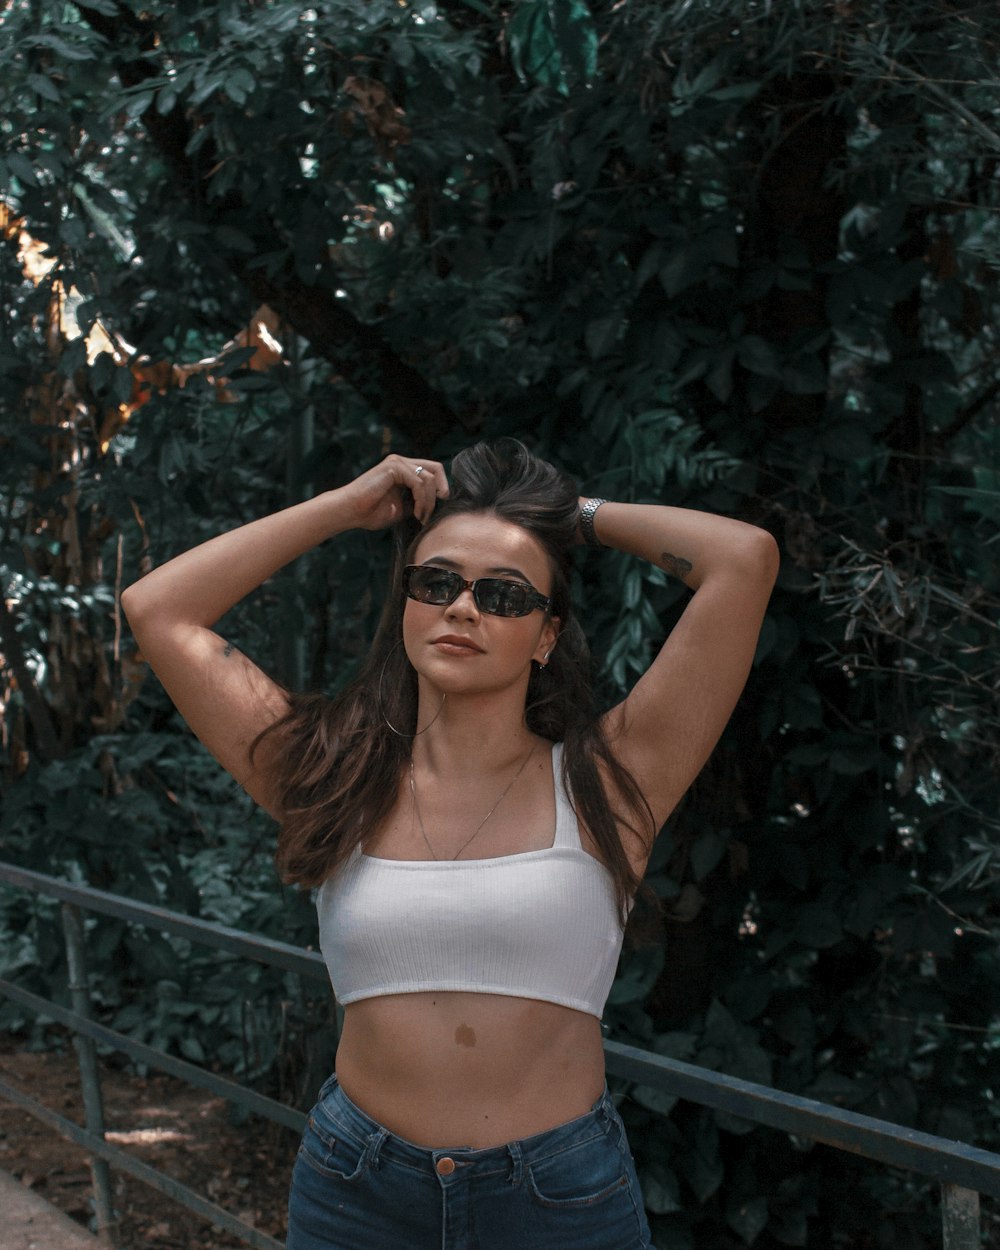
[{"x": 456, "y": 646}]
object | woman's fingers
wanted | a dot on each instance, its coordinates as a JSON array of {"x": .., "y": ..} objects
[
  {"x": 397, "y": 485},
  {"x": 427, "y": 482}
]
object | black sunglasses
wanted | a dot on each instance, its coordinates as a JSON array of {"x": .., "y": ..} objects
[{"x": 497, "y": 596}]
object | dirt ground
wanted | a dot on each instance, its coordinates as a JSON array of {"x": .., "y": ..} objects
[{"x": 184, "y": 1132}]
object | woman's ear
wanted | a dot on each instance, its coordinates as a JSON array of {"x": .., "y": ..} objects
[{"x": 547, "y": 641}]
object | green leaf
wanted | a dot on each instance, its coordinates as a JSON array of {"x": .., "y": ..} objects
[
  {"x": 818, "y": 926},
  {"x": 794, "y": 1024},
  {"x": 703, "y": 82},
  {"x": 192, "y": 1049},
  {"x": 739, "y": 91},
  {"x": 21, "y": 168},
  {"x": 73, "y": 232},
  {"x": 550, "y": 42},
  {"x": 69, "y": 51},
  {"x": 789, "y": 1225},
  {"x": 632, "y": 590},
  {"x": 238, "y": 240},
  {"x": 166, "y": 100},
  {"x": 806, "y": 375},
  {"x": 661, "y": 1191},
  {"x": 649, "y": 266},
  {"x": 700, "y": 1162},
  {"x": 602, "y": 334},
  {"x": 802, "y": 707},
  {"x": 138, "y": 104},
  {"x": 122, "y": 385},
  {"x": 576, "y": 37},
  {"x": 708, "y": 849},
  {"x": 654, "y": 1099},
  {"x": 835, "y": 1087},
  {"x": 208, "y": 84},
  {"x": 719, "y": 378},
  {"x": 748, "y": 996},
  {"x": 237, "y": 358},
  {"x": 239, "y": 84},
  {"x": 747, "y": 1219},
  {"x": 252, "y": 382},
  {"x": 45, "y": 87},
  {"x": 794, "y": 867},
  {"x": 682, "y": 270},
  {"x": 532, "y": 42},
  {"x": 758, "y": 355},
  {"x": 60, "y": 776},
  {"x": 675, "y": 1045}
]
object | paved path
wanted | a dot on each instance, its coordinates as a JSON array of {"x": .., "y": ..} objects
[{"x": 28, "y": 1222}]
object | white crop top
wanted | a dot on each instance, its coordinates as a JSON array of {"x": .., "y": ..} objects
[{"x": 540, "y": 924}]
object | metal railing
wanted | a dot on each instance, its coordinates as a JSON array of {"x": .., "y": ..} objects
[{"x": 963, "y": 1172}]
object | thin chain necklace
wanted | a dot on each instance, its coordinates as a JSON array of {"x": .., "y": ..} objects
[{"x": 503, "y": 795}]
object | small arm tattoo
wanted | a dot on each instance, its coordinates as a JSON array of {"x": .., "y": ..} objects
[
  {"x": 675, "y": 565},
  {"x": 229, "y": 650}
]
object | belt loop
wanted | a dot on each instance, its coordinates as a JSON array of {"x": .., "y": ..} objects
[
  {"x": 516, "y": 1162},
  {"x": 612, "y": 1117},
  {"x": 375, "y": 1143}
]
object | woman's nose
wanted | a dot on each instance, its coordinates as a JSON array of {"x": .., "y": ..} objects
[{"x": 464, "y": 606}]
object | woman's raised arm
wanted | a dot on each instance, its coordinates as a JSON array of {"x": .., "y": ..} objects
[
  {"x": 225, "y": 698},
  {"x": 667, "y": 727}
]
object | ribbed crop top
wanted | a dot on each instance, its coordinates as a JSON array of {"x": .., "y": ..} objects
[{"x": 540, "y": 924}]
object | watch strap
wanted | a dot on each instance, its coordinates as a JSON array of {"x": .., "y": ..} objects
[{"x": 587, "y": 513}]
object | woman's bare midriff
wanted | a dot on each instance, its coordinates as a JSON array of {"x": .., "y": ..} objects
[{"x": 447, "y": 1069}]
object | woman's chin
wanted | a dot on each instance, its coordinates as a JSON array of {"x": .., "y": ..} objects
[{"x": 455, "y": 681}]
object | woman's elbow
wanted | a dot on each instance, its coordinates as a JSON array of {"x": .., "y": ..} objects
[
  {"x": 137, "y": 604},
  {"x": 770, "y": 552},
  {"x": 131, "y": 600}
]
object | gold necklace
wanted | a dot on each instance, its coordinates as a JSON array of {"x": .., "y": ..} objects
[{"x": 503, "y": 795}]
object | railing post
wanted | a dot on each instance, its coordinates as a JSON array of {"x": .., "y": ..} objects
[
  {"x": 959, "y": 1217},
  {"x": 90, "y": 1080}
]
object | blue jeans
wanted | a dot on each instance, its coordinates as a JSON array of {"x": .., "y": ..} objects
[{"x": 356, "y": 1186}]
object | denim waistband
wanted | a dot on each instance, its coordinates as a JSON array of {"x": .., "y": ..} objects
[{"x": 386, "y": 1146}]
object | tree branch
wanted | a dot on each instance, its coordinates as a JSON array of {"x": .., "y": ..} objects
[
  {"x": 968, "y": 413},
  {"x": 358, "y": 351}
]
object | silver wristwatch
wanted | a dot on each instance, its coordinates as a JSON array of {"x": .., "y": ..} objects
[{"x": 587, "y": 513}]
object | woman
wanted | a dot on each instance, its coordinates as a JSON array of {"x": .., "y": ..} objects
[{"x": 477, "y": 833}]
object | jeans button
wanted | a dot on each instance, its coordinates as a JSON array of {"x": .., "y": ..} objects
[{"x": 445, "y": 1166}]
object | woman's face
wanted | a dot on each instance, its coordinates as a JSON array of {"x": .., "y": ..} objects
[{"x": 455, "y": 646}]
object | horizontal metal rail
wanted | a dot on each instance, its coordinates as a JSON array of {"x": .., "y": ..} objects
[
  {"x": 206, "y": 932},
  {"x": 189, "y": 1072},
  {"x": 946, "y": 1161},
  {"x": 135, "y": 1167}
]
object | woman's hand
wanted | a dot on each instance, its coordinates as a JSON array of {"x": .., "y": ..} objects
[{"x": 396, "y": 488}]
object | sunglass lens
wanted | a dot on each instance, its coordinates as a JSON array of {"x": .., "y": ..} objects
[
  {"x": 428, "y": 585},
  {"x": 501, "y": 598}
]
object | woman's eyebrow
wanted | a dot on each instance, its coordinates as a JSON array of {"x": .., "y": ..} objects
[{"x": 452, "y": 564}]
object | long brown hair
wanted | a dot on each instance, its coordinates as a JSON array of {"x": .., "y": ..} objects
[{"x": 340, "y": 763}]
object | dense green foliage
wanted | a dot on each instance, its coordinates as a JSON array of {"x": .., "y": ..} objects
[{"x": 736, "y": 256}]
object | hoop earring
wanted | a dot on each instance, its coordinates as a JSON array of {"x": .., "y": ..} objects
[{"x": 399, "y": 732}]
